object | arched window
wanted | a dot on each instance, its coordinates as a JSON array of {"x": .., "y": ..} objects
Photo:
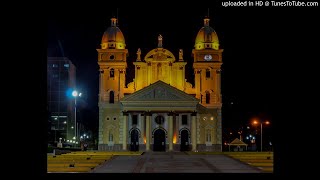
[
  {"x": 111, "y": 73},
  {"x": 110, "y": 136},
  {"x": 111, "y": 97},
  {"x": 207, "y": 73},
  {"x": 159, "y": 120},
  {"x": 207, "y": 97},
  {"x": 208, "y": 135}
]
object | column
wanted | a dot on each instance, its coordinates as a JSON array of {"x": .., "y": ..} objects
[
  {"x": 101, "y": 121},
  {"x": 119, "y": 85},
  {"x": 194, "y": 131},
  {"x": 135, "y": 77},
  {"x": 123, "y": 80},
  {"x": 184, "y": 76},
  {"x": 148, "y": 130},
  {"x": 101, "y": 86},
  {"x": 214, "y": 132},
  {"x": 170, "y": 74},
  {"x": 218, "y": 83},
  {"x": 125, "y": 131},
  {"x": 142, "y": 124},
  {"x": 219, "y": 128},
  {"x": 215, "y": 84},
  {"x": 197, "y": 83},
  {"x": 149, "y": 69},
  {"x": 170, "y": 131}
]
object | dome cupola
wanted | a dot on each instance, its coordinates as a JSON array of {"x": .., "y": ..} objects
[
  {"x": 206, "y": 38},
  {"x": 113, "y": 37}
]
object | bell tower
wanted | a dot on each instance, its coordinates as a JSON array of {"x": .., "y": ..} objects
[
  {"x": 112, "y": 60},
  {"x": 207, "y": 61},
  {"x": 207, "y": 66}
]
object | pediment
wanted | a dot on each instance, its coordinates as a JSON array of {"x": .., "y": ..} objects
[
  {"x": 159, "y": 91},
  {"x": 208, "y": 126},
  {"x": 159, "y": 54}
]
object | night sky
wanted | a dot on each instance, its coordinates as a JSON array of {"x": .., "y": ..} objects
[{"x": 254, "y": 40}]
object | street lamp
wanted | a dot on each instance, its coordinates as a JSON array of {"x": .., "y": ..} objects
[
  {"x": 75, "y": 94},
  {"x": 84, "y": 137},
  {"x": 256, "y": 122},
  {"x": 84, "y": 141}
]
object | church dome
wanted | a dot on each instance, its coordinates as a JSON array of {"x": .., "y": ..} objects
[
  {"x": 113, "y": 37},
  {"x": 207, "y": 38}
]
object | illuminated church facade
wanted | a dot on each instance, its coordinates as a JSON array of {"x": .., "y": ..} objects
[{"x": 160, "y": 110}]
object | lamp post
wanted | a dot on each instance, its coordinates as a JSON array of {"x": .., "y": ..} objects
[
  {"x": 256, "y": 122},
  {"x": 75, "y": 95},
  {"x": 83, "y": 140}
]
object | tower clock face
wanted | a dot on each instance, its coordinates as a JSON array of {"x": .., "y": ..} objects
[{"x": 208, "y": 57}]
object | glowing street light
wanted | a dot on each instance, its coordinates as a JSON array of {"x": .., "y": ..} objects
[
  {"x": 84, "y": 136},
  {"x": 257, "y": 122},
  {"x": 75, "y": 94}
]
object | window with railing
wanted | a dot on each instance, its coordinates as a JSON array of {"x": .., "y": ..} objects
[
  {"x": 208, "y": 135},
  {"x": 134, "y": 119},
  {"x": 207, "y": 97},
  {"x": 111, "y": 97},
  {"x": 184, "y": 119}
]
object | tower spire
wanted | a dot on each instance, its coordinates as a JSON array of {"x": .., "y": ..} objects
[
  {"x": 117, "y": 14},
  {"x": 207, "y": 19}
]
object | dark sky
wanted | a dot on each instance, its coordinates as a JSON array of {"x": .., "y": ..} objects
[{"x": 254, "y": 40}]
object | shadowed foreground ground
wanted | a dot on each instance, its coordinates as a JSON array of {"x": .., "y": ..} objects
[{"x": 174, "y": 162}]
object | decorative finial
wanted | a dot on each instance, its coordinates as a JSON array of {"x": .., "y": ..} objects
[
  {"x": 159, "y": 41},
  {"x": 139, "y": 54},
  {"x": 206, "y": 21},
  {"x": 180, "y": 55},
  {"x": 113, "y": 21}
]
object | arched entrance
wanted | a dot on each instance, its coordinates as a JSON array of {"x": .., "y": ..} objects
[
  {"x": 184, "y": 146},
  {"x": 159, "y": 143},
  {"x": 134, "y": 146}
]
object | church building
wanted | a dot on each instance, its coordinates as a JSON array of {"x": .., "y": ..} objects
[{"x": 160, "y": 110}]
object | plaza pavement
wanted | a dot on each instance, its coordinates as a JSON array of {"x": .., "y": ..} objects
[{"x": 174, "y": 162}]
